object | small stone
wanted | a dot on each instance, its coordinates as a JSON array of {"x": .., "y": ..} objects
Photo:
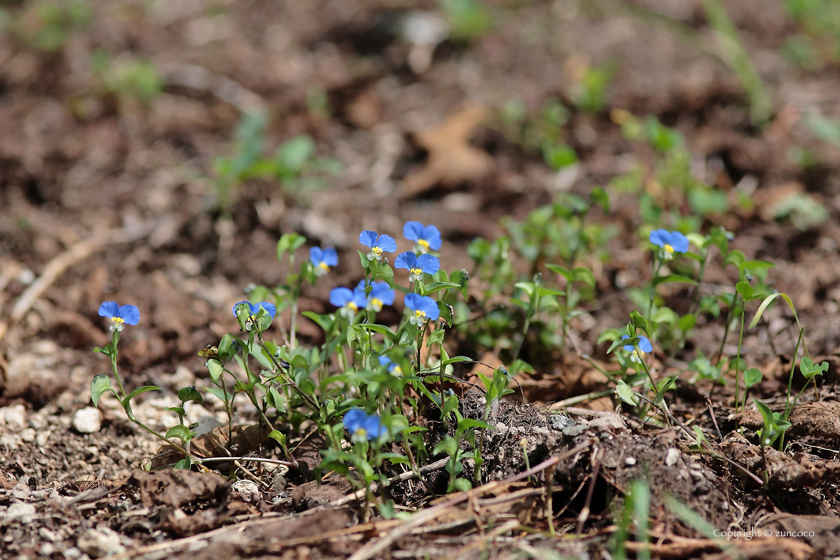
[
  {"x": 28, "y": 435},
  {"x": 15, "y": 416},
  {"x": 245, "y": 486},
  {"x": 87, "y": 420},
  {"x": 21, "y": 491},
  {"x": 100, "y": 542},
  {"x": 630, "y": 461},
  {"x": 559, "y": 421},
  {"x": 38, "y": 421},
  {"x": 672, "y": 456},
  {"x": 72, "y": 553},
  {"x": 43, "y": 438},
  {"x": 47, "y": 549},
  {"x": 20, "y": 510}
]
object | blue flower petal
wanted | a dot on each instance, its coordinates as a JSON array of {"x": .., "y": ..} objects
[
  {"x": 406, "y": 260},
  {"x": 373, "y": 426},
  {"x": 428, "y": 264},
  {"x": 679, "y": 242},
  {"x": 660, "y": 237},
  {"x": 367, "y": 238},
  {"x": 340, "y": 296},
  {"x": 432, "y": 236},
  {"x": 412, "y": 301},
  {"x": 109, "y": 309},
  {"x": 413, "y": 231},
  {"x": 330, "y": 257},
  {"x": 130, "y": 314},
  {"x": 383, "y": 292},
  {"x": 429, "y": 307},
  {"x": 386, "y": 243},
  {"x": 316, "y": 255},
  {"x": 353, "y": 419},
  {"x": 269, "y": 308},
  {"x": 644, "y": 344},
  {"x": 384, "y": 360}
]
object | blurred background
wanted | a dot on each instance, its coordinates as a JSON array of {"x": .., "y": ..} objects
[{"x": 153, "y": 153}]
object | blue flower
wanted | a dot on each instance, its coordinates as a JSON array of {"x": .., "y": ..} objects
[
  {"x": 322, "y": 259},
  {"x": 670, "y": 241},
  {"x": 424, "y": 308},
  {"x": 393, "y": 367},
  {"x": 254, "y": 308},
  {"x": 349, "y": 301},
  {"x": 417, "y": 265},
  {"x": 644, "y": 347},
  {"x": 378, "y": 244},
  {"x": 120, "y": 316},
  {"x": 426, "y": 238},
  {"x": 361, "y": 426},
  {"x": 380, "y": 294}
]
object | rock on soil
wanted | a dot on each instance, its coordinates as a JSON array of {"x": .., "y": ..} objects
[{"x": 87, "y": 420}]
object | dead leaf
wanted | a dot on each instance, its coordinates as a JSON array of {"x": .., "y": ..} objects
[
  {"x": 452, "y": 160},
  {"x": 179, "y": 488}
]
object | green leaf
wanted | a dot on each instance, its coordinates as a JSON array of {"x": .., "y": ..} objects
[
  {"x": 438, "y": 286},
  {"x": 562, "y": 271},
  {"x": 666, "y": 384},
  {"x": 687, "y": 322},
  {"x": 625, "y": 393},
  {"x": 468, "y": 423},
  {"x": 674, "y": 278},
  {"x": 751, "y": 377},
  {"x": 365, "y": 261},
  {"x": 181, "y": 432},
  {"x": 385, "y": 273},
  {"x": 638, "y": 321},
  {"x": 216, "y": 370},
  {"x": 456, "y": 359},
  {"x": 809, "y": 369},
  {"x": 190, "y": 394},
  {"x": 745, "y": 289},
  {"x": 219, "y": 393},
  {"x": 543, "y": 292},
  {"x": 381, "y": 329},
  {"x": 755, "y": 265},
  {"x": 584, "y": 275},
  {"x": 623, "y": 342},
  {"x": 100, "y": 385},
  {"x": 279, "y": 437},
  {"x": 323, "y": 321},
  {"x": 184, "y": 463},
  {"x": 288, "y": 243},
  {"x": 463, "y": 485},
  {"x": 767, "y": 301},
  {"x": 140, "y": 390}
]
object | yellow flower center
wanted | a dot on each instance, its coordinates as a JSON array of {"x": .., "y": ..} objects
[
  {"x": 118, "y": 320},
  {"x": 668, "y": 248},
  {"x": 376, "y": 251},
  {"x": 324, "y": 266},
  {"x": 353, "y": 306},
  {"x": 416, "y": 271},
  {"x": 423, "y": 243},
  {"x": 397, "y": 370},
  {"x": 360, "y": 433},
  {"x": 419, "y": 314},
  {"x": 376, "y": 303}
]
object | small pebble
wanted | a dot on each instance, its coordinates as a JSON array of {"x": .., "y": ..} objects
[
  {"x": 15, "y": 416},
  {"x": 672, "y": 456},
  {"x": 28, "y": 435},
  {"x": 245, "y": 486},
  {"x": 87, "y": 420}
]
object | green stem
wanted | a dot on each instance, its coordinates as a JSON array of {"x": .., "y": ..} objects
[{"x": 738, "y": 360}]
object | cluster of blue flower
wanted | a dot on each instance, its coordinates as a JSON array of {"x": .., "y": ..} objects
[{"x": 373, "y": 296}]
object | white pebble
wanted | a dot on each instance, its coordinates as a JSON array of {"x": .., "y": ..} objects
[
  {"x": 87, "y": 420},
  {"x": 28, "y": 435},
  {"x": 15, "y": 416},
  {"x": 671, "y": 456},
  {"x": 245, "y": 486}
]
